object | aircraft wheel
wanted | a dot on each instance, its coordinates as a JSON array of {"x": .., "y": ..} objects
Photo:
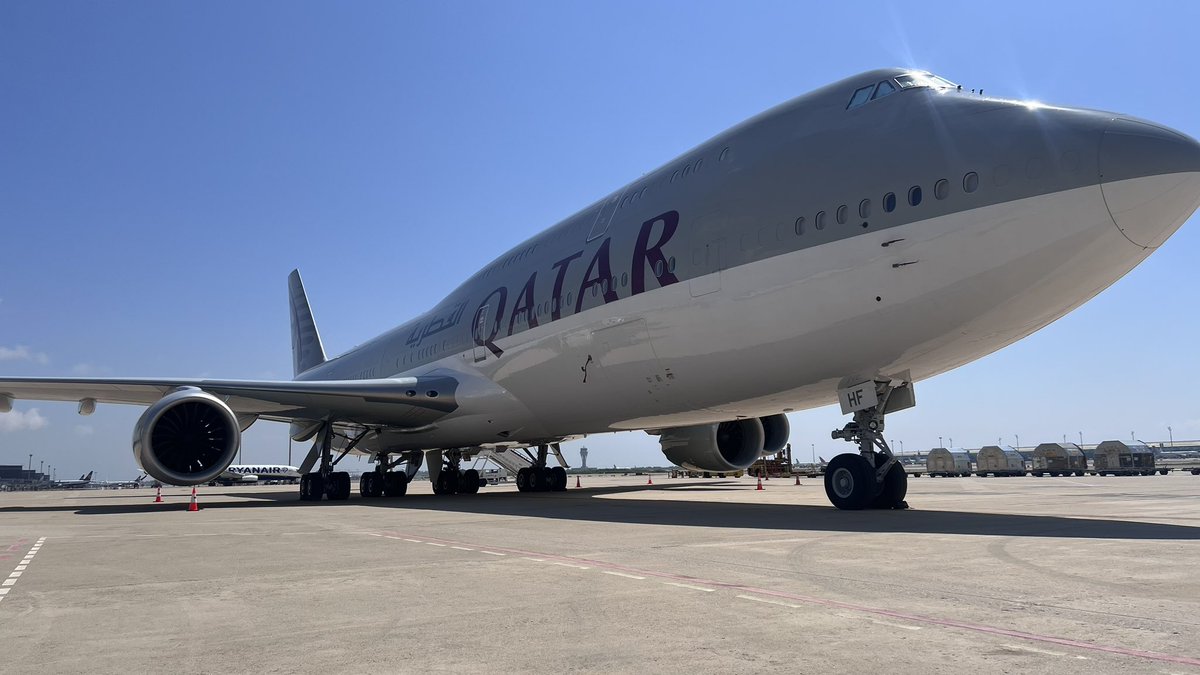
[
  {"x": 338, "y": 486},
  {"x": 559, "y": 476},
  {"x": 893, "y": 490},
  {"x": 468, "y": 482},
  {"x": 522, "y": 480},
  {"x": 316, "y": 487},
  {"x": 849, "y": 482},
  {"x": 534, "y": 481},
  {"x": 368, "y": 484},
  {"x": 395, "y": 483}
]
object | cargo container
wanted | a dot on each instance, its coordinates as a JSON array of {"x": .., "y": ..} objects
[
  {"x": 1117, "y": 458},
  {"x": 999, "y": 461},
  {"x": 1058, "y": 459},
  {"x": 949, "y": 463}
]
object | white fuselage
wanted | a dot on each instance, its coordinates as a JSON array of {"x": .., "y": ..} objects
[{"x": 779, "y": 334}]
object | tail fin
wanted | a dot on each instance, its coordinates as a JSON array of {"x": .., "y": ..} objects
[
  {"x": 307, "y": 351},
  {"x": 88, "y": 477}
]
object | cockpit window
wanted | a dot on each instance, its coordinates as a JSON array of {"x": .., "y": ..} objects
[
  {"x": 861, "y": 96},
  {"x": 886, "y": 87},
  {"x": 924, "y": 80}
]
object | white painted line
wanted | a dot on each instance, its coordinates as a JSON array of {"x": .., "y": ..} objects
[
  {"x": 563, "y": 564},
  {"x": 14, "y": 575},
  {"x": 533, "y": 559},
  {"x": 894, "y": 625},
  {"x": 391, "y": 537},
  {"x": 415, "y": 541},
  {"x": 770, "y": 601},
  {"x": 461, "y": 548},
  {"x": 434, "y": 543},
  {"x": 375, "y": 534},
  {"x": 19, "y": 568},
  {"x": 694, "y": 588},
  {"x": 8, "y": 582},
  {"x": 622, "y": 574},
  {"x": 1035, "y": 650},
  {"x": 493, "y": 553},
  {"x": 4, "y": 591}
]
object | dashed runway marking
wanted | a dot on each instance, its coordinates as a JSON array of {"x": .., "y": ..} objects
[
  {"x": 6, "y": 585},
  {"x": 622, "y": 574},
  {"x": 778, "y": 597}
]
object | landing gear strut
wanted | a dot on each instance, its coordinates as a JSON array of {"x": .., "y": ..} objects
[
  {"x": 872, "y": 478},
  {"x": 542, "y": 478}
]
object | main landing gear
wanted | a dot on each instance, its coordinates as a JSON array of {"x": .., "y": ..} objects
[
  {"x": 450, "y": 478},
  {"x": 325, "y": 482},
  {"x": 385, "y": 481},
  {"x": 872, "y": 478},
  {"x": 542, "y": 478}
]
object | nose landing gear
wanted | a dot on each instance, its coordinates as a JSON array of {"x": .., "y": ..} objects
[{"x": 873, "y": 478}]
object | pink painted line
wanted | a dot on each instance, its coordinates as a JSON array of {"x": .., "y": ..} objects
[{"x": 837, "y": 604}]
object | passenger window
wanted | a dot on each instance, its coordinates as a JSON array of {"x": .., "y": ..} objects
[
  {"x": 671, "y": 264},
  {"x": 861, "y": 96},
  {"x": 864, "y": 208},
  {"x": 884, "y": 88},
  {"x": 819, "y": 221},
  {"x": 658, "y": 268},
  {"x": 800, "y": 226},
  {"x": 889, "y": 202},
  {"x": 941, "y": 189},
  {"x": 914, "y": 195},
  {"x": 970, "y": 182},
  {"x": 842, "y": 213}
]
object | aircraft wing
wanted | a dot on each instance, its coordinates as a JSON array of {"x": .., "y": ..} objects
[{"x": 399, "y": 402}]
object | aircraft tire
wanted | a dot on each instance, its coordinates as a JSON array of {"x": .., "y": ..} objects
[
  {"x": 339, "y": 485},
  {"x": 395, "y": 484},
  {"x": 534, "y": 480},
  {"x": 893, "y": 489},
  {"x": 468, "y": 482},
  {"x": 523, "y": 480},
  {"x": 316, "y": 487},
  {"x": 368, "y": 484},
  {"x": 849, "y": 482},
  {"x": 559, "y": 481}
]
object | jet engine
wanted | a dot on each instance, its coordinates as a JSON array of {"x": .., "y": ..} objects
[
  {"x": 776, "y": 432},
  {"x": 725, "y": 447},
  {"x": 188, "y": 437}
]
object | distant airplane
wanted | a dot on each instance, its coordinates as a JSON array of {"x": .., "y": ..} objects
[
  {"x": 255, "y": 473},
  {"x": 120, "y": 484},
  {"x": 84, "y": 481},
  {"x": 839, "y": 247}
]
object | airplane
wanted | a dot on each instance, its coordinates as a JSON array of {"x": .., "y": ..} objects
[
  {"x": 254, "y": 473},
  {"x": 120, "y": 484},
  {"x": 839, "y": 247},
  {"x": 84, "y": 481}
]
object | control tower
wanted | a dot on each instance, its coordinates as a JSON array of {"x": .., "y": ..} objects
[{"x": 583, "y": 458}]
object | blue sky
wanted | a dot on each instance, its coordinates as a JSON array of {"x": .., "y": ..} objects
[{"x": 164, "y": 165}]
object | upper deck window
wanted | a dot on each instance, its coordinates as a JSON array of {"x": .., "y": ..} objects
[{"x": 923, "y": 80}]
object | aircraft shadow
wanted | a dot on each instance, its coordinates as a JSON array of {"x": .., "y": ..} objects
[{"x": 583, "y": 505}]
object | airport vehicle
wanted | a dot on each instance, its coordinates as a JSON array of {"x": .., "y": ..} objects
[
  {"x": 256, "y": 473},
  {"x": 1058, "y": 459},
  {"x": 947, "y": 463},
  {"x": 84, "y": 481},
  {"x": 1117, "y": 458},
  {"x": 997, "y": 461},
  {"x": 841, "y": 246}
]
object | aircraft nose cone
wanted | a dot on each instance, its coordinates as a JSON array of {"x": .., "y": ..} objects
[{"x": 1150, "y": 177}]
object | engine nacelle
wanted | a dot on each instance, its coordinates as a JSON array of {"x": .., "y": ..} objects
[
  {"x": 188, "y": 437},
  {"x": 776, "y": 432},
  {"x": 725, "y": 447}
]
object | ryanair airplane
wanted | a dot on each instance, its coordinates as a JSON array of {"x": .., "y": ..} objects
[{"x": 839, "y": 247}]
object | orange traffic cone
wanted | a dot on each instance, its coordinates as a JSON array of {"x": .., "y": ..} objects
[
  {"x": 759, "y": 485},
  {"x": 193, "y": 505},
  {"x": 577, "y": 481},
  {"x": 158, "y": 496},
  {"x": 797, "y": 479},
  {"x": 649, "y": 479}
]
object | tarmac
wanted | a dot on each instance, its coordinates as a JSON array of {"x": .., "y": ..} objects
[{"x": 983, "y": 575}]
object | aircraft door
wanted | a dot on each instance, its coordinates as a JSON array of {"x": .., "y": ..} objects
[
  {"x": 603, "y": 217},
  {"x": 706, "y": 260},
  {"x": 480, "y": 333}
]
